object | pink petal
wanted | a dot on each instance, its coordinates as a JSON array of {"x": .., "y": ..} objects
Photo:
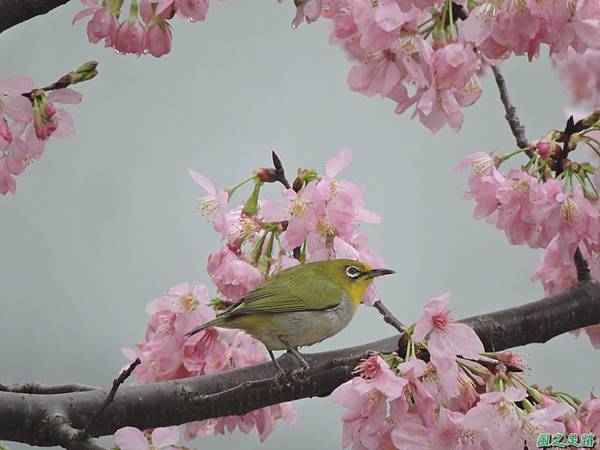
[
  {"x": 66, "y": 126},
  {"x": 163, "y": 437},
  {"x": 274, "y": 211},
  {"x": 337, "y": 163},
  {"x": 16, "y": 85},
  {"x": 66, "y": 95},
  {"x": 367, "y": 216},
  {"x": 19, "y": 108},
  {"x": 130, "y": 354},
  {"x": 588, "y": 31},
  {"x": 81, "y": 14},
  {"x": 179, "y": 289},
  {"x": 203, "y": 181},
  {"x": 162, "y": 6},
  {"x": 389, "y": 16},
  {"x": 130, "y": 438}
]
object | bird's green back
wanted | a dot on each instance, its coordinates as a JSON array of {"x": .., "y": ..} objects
[{"x": 306, "y": 287}]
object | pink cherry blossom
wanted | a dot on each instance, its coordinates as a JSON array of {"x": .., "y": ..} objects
[
  {"x": 130, "y": 438},
  {"x": 381, "y": 376},
  {"x": 232, "y": 275},
  {"x": 193, "y": 10},
  {"x": 366, "y": 412},
  {"x": 301, "y": 210},
  {"x": 447, "y": 338},
  {"x": 130, "y": 38},
  {"x": 103, "y": 25},
  {"x": 12, "y": 103},
  {"x": 158, "y": 38},
  {"x": 581, "y": 75},
  {"x": 212, "y": 204}
]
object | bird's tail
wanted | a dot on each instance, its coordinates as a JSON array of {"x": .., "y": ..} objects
[{"x": 213, "y": 323}]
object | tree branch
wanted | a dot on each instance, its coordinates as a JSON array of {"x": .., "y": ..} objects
[
  {"x": 68, "y": 437},
  {"x": 13, "y": 12},
  {"x": 518, "y": 130},
  {"x": 111, "y": 395},
  {"x": 36, "y": 388},
  {"x": 23, "y": 417},
  {"x": 388, "y": 316}
]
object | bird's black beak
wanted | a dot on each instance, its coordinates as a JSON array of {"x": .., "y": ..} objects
[{"x": 377, "y": 273}]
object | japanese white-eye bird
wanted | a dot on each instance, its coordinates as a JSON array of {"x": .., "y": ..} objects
[{"x": 301, "y": 305}]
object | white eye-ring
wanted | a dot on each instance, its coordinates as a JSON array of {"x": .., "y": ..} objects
[{"x": 353, "y": 272}]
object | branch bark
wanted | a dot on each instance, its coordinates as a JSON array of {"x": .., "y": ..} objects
[
  {"x": 24, "y": 417},
  {"x": 518, "y": 130},
  {"x": 13, "y": 12}
]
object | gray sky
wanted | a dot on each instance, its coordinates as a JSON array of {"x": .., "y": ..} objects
[{"x": 106, "y": 221}]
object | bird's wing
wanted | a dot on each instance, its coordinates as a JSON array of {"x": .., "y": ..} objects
[{"x": 278, "y": 297}]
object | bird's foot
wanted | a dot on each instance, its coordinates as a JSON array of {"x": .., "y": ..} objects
[{"x": 299, "y": 357}]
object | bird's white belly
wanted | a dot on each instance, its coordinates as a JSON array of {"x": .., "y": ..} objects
[{"x": 301, "y": 328}]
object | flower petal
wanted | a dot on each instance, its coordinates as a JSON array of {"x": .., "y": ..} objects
[
  {"x": 164, "y": 437},
  {"x": 130, "y": 438}
]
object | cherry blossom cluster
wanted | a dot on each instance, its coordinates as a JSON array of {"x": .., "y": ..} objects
[
  {"x": 462, "y": 398},
  {"x": 422, "y": 53},
  {"x": 550, "y": 203},
  {"x": 166, "y": 354},
  {"x": 317, "y": 218},
  {"x": 581, "y": 75},
  {"x": 558, "y": 275},
  {"x": 429, "y": 53},
  {"x": 29, "y": 117},
  {"x": 146, "y": 29}
]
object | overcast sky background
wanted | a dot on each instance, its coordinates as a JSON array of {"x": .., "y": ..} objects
[{"x": 107, "y": 220}]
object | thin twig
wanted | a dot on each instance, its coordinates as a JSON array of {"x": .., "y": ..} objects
[
  {"x": 388, "y": 316},
  {"x": 111, "y": 395},
  {"x": 37, "y": 388},
  {"x": 518, "y": 130},
  {"x": 581, "y": 264}
]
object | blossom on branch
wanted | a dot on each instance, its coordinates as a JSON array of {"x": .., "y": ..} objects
[{"x": 29, "y": 117}]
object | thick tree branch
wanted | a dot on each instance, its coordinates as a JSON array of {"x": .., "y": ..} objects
[
  {"x": 23, "y": 417},
  {"x": 13, "y": 12},
  {"x": 68, "y": 437},
  {"x": 36, "y": 388},
  {"x": 117, "y": 382}
]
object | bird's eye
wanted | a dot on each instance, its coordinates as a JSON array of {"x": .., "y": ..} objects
[{"x": 353, "y": 271}]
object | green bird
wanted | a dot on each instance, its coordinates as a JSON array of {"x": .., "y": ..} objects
[{"x": 301, "y": 305}]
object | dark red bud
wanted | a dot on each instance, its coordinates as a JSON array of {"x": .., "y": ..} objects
[
  {"x": 267, "y": 175},
  {"x": 298, "y": 183}
]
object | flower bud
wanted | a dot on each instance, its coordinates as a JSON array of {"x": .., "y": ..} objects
[
  {"x": 543, "y": 148},
  {"x": 266, "y": 175},
  {"x": 251, "y": 205},
  {"x": 84, "y": 73},
  {"x": 44, "y": 119},
  {"x": 297, "y": 185},
  {"x": 592, "y": 119},
  {"x": 307, "y": 175}
]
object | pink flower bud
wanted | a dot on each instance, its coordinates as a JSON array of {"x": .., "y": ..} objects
[
  {"x": 543, "y": 149},
  {"x": 158, "y": 38},
  {"x": 193, "y": 10},
  {"x": 103, "y": 25},
  {"x": 130, "y": 38}
]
